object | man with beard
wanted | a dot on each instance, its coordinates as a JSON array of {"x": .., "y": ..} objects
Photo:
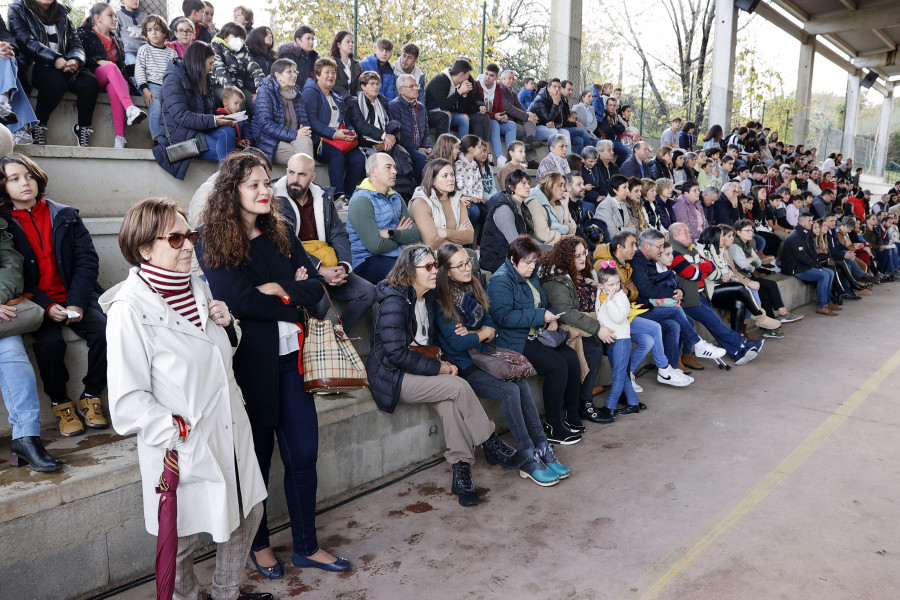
[{"x": 311, "y": 212}]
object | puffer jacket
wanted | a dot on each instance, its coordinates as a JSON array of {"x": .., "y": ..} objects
[
  {"x": 235, "y": 68},
  {"x": 268, "y": 116},
  {"x": 659, "y": 169},
  {"x": 390, "y": 356},
  {"x": 545, "y": 110},
  {"x": 512, "y": 306},
  {"x": 31, "y": 37},
  {"x": 12, "y": 280},
  {"x": 388, "y": 87},
  {"x": 94, "y": 49},
  {"x": 318, "y": 111},
  {"x": 304, "y": 61}
]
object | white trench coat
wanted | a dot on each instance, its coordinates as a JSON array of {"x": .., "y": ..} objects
[{"x": 160, "y": 364}]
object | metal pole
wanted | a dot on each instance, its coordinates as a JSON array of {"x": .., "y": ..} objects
[
  {"x": 355, "y": 25},
  {"x": 483, "y": 31},
  {"x": 643, "y": 81}
]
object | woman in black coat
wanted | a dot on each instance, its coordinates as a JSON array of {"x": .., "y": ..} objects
[
  {"x": 260, "y": 42},
  {"x": 406, "y": 319},
  {"x": 254, "y": 264}
]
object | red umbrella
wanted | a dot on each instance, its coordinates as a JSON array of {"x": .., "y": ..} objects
[{"x": 167, "y": 537}]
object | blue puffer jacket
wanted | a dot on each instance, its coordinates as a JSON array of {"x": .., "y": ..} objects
[
  {"x": 318, "y": 111},
  {"x": 512, "y": 306},
  {"x": 388, "y": 78},
  {"x": 390, "y": 356},
  {"x": 268, "y": 117}
]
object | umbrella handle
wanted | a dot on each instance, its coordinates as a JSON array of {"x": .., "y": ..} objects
[{"x": 182, "y": 428}]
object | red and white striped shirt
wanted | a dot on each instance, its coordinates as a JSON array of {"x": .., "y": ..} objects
[{"x": 175, "y": 289}]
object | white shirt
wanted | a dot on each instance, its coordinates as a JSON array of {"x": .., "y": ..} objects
[
  {"x": 421, "y": 336},
  {"x": 335, "y": 120}
]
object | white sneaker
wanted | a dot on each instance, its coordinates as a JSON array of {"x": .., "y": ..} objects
[
  {"x": 704, "y": 349},
  {"x": 22, "y": 137},
  {"x": 501, "y": 160},
  {"x": 634, "y": 384},
  {"x": 685, "y": 375},
  {"x": 134, "y": 115},
  {"x": 119, "y": 142},
  {"x": 673, "y": 377}
]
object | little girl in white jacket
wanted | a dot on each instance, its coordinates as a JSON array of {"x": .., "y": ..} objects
[{"x": 613, "y": 308}]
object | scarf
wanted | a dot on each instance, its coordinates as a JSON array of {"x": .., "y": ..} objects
[
  {"x": 287, "y": 101},
  {"x": 380, "y": 118},
  {"x": 134, "y": 14},
  {"x": 453, "y": 86},
  {"x": 487, "y": 91},
  {"x": 471, "y": 313},
  {"x": 174, "y": 288}
]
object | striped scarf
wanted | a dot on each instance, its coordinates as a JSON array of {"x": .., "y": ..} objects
[{"x": 175, "y": 289}]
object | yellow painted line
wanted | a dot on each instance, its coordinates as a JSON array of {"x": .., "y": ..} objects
[{"x": 778, "y": 475}]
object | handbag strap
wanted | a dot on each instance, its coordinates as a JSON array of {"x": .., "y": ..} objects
[{"x": 162, "y": 113}]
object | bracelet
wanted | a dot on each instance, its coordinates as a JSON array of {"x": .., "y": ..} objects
[{"x": 182, "y": 427}]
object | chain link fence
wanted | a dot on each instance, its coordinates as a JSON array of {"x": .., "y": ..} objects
[
  {"x": 165, "y": 8},
  {"x": 832, "y": 140}
]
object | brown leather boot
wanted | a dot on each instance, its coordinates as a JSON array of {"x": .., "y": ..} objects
[{"x": 689, "y": 361}]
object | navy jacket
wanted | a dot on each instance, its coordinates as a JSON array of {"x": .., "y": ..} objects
[
  {"x": 512, "y": 306},
  {"x": 456, "y": 347},
  {"x": 366, "y": 127},
  {"x": 402, "y": 112},
  {"x": 724, "y": 213},
  {"x": 666, "y": 214},
  {"x": 268, "y": 117},
  {"x": 318, "y": 111},
  {"x": 643, "y": 274},
  {"x": 631, "y": 168},
  {"x": 835, "y": 248},
  {"x": 76, "y": 257},
  {"x": 606, "y": 172},
  {"x": 390, "y": 356},
  {"x": 592, "y": 177},
  {"x": 256, "y": 362}
]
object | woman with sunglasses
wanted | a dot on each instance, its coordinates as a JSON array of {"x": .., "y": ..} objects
[
  {"x": 405, "y": 366},
  {"x": 170, "y": 375},
  {"x": 464, "y": 326},
  {"x": 256, "y": 266}
]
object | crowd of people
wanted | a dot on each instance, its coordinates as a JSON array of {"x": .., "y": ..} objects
[{"x": 451, "y": 251}]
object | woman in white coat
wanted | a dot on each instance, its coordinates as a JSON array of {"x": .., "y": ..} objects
[{"x": 170, "y": 348}]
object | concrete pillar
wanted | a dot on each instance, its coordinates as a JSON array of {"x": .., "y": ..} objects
[
  {"x": 721, "y": 94},
  {"x": 851, "y": 112},
  {"x": 565, "y": 41},
  {"x": 884, "y": 133},
  {"x": 803, "y": 96}
]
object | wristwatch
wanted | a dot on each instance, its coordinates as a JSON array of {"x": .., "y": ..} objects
[{"x": 391, "y": 233}]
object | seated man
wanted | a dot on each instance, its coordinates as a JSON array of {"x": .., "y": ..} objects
[
  {"x": 380, "y": 62},
  {"x": 726, "y": 208},
  {"x": 314, "y": 220},
  {"x": 612, "y": 128},
  {"x": 634, "y": 166},
  {"x": 378, "y": 221},
  {"x": 443, "y": 96},
  {"x": 413, "y": 134},
  {"x": 579, "y": 134},
  {"x": 526, "y": 122},
  {"x": 406, "y": 65},
  {"x": 547, "y": 106},
  {"x": 644, "y": 276},
  {"x": 502, "y": 128},
  {"x": 692, "y": 270},
  {"x": 606, "y": 167},
  {"x": 798, "y": 258}
]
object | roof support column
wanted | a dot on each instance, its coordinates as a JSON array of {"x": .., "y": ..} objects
[
  {"x": 804, "y": 92},
  {"x": 884, "y": 132},
  {"x": 721, "y": 94},
  {"x": 565, "y": 41},
  {"x": 851, "y": 112}
]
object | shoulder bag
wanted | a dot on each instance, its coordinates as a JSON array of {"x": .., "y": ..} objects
[
  {"x": 507, "y": 365},
  {"x": 182, "y": 150},
  {"x": 29, "y": 317}
]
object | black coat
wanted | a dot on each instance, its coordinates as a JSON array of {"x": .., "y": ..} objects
[
  {"x": 256, "y": 362},
  {"x": 611, "y": 127},
  {"x": 606, "y": 173},
  {"x": 659, "y": 169},
  {"x": 94, "y": 49},
  {"x": 390, "y": 356},
  {"x": 366, "y": 127},
  {"x": 798, "y": 253},
  {"x": 31, "y": 37},
  {"x": 592, "y": 177},
  {"x": 305, "y": 62},
  {"x": 545, "y": 110},
  {"x": 76, "y": 258}
]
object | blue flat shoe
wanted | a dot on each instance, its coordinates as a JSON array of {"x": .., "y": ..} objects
[
  {"x": 341, "y": 564},
  {"x": 276, "y": 571}
]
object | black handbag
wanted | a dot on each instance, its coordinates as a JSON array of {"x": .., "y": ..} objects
[
  {"x": 182, "y": 150},
  {"x": 552, "y": 338}
]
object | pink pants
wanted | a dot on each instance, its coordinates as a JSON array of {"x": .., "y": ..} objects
[{"x": 111, "y": 79}]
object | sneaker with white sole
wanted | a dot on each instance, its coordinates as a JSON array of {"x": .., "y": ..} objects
[
  {"x": 39, "y": 135},
  {"x": 134, "y": 115},
  {"x": 673, "y": 377},
  {"x": 22, "y": 137},
  {"x": 789, "y": 317},
  {"x": 634, "y": 384},
  {"x": 704, "y": 349},
  {"x": 120, "y": 141},
  {"x": 83, "y": 135},
  {"x": 685, "y": 375},
  {"x": 773, "y": 333}
]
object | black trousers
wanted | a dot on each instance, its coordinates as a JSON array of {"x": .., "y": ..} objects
[
  {"x": 769, "y": 295},
  {"x": 51, "y": 84},
  {"x": 439, "y": 121},
  {"x": 50, "y": 353},
  {"x": 735, "y": 297},
  {"x": 562, "y": 380},
  {"x": 773, "y": 242}
]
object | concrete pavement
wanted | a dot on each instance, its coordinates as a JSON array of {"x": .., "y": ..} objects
[{"x": 774, "y": 480}]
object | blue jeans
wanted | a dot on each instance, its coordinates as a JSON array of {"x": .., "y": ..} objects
[
  {"x": 19, "y": 388},
  {"x": 477, "y": 212},
  {"x": 580, "y": 139},
  {"x": 622, "y": 153},
  {"x": 508, "y": 130},
  {"x": 518, "y": 407},
  {"x": 221, "y": 142},
  {"x": 854, "y": 268},
  {"x": 18, "y": 99},
  {"x": 375, "y": 268},
  {"x": 359, "y": 296},
  {"x": 298, "y": 441},
  {"x": 543, "y": 133},
  {"x": 760, "y": 242},
  {"x": 888, "y": 260},
  {"x": 727, "y": 337},
  {"x": 461, "y": 122},
  {"x": 593, "y": 354},
  {"x": 345, "y": 171},
  {"x": 687, "y": 335},
  {"x": 155, "y": 112},
  {"x": 823, "y": 278},
  {"x": 618, "y": 353},
  {"x": 419, "y": 160},
  {"x": 649, "y": 336}
]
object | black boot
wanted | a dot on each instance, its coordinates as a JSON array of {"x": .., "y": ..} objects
[
  {"x": 462, "y": 484},
  {"x": 589, "y": 413},
  {"x": 498, "y": 452},
  {"x": 30, "y": 450}
]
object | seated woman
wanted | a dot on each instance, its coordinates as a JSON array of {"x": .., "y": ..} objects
[
  {"x": 649, "y": 206},
  {"x": 555, "y": 161},
  {"x": 333, "y": 137},
  {"x": 747, "y": 262},
  {"x": 370, "y": 116},
  {"x": 519, "y": 309},
  {"x": 189, "y": 107},
  {"x": 571, "y": 287},
  {"x": 61, "y": 271},
  {"x": 515, "y": 159},
  {"x": 260, "y": 43},
  {"x": 468, "y": 178},
  {"x": 436, "y": 207},
  {"x": 446, "y": 146},
  {"x": 488, "y": 181},
  {"x": 755, "y": 210},
  {"x": 507, "y": 219},
  {"x": 280, "y": 123},
  {"x": 549, "y": 210},
  {"x": 848, "y": 236},
  {"x": 464, "y": 326},
  {"x": 634, "y": 203},
  {"x": 665, "y": 189},
  {"x": 105, "y": 58},
  {"x": 406, "y": 320},
  {"x": 349, "y": 71},
  {"x": 58, "y": 64},
  {"x": 730, "y": 290},
  {"x": 845, "y": 285},
  {"x": 233, "y": 64}
]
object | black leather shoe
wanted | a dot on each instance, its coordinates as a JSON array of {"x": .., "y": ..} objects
[
  {"x": 606, "y": 415},
  {"x": 30, "y": 451},
  {"x": 588, "y": 412},
  {"x": 631, "y": 409},
  {"x": 252, "y": 596},
  {"x": 462, "y": 484}
]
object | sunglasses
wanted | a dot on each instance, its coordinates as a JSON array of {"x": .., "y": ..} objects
[
  {"x": 429, "y": 267},
  {"x": 176, "y": 238}
]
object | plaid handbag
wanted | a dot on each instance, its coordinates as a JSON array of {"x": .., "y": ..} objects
[{"x": 330, "y": 362}]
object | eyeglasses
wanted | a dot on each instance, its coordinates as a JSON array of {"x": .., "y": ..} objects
[
  {"x": 429, "y": 267},
  {"x": 660, "y": 245},
  {"x": 463, "y": 266},
  {"x": 176, "y": 238}
]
